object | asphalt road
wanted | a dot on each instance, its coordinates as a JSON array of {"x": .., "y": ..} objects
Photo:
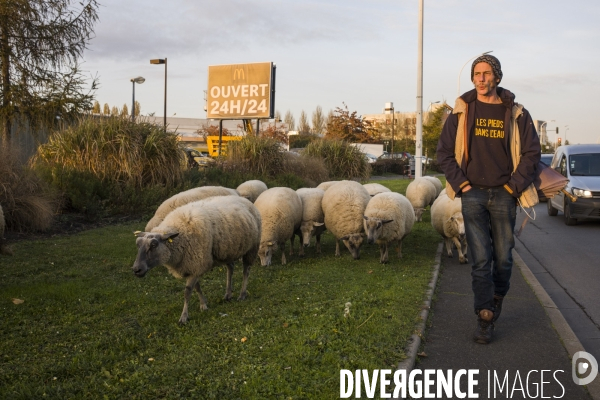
[{"x": 566, "y": 261}]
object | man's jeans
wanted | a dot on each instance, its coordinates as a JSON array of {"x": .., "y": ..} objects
[{"x": 489, "y": 216}]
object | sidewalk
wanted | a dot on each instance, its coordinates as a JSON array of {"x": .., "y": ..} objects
[{"x": 525, "y": 338}]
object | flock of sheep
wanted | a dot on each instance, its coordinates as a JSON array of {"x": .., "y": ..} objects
[{"x": 194, "y": 230}]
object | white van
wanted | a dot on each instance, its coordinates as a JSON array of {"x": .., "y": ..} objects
[{"x": 580, "y": 163}]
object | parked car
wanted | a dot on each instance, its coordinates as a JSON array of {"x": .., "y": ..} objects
[
  {"x": 370, "y": 158},
  {"x": 547, "y": 158},
  {"x": 580, "y": 163},
  {"x": 197, "y": 159},
  {"x": 400, "y": 156}
]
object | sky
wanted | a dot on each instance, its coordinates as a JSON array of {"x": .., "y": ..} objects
[{"x": 359, "y": 53}]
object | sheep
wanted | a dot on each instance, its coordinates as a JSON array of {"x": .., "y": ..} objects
[
  {"x": 344, "y": 205},
  {"x": 326, "y": 185},
  {"x": 313, "y": 219},
  {"x": 375, "y": 188},
  {"x": 4, "y": 249},
  {"x": 421, "y": 193},
  {"x": 388, "y": 218},
  {"x": 447, "y": 220},
  {"x": 437, "y": 183},
  {"x": 195, "y": 237},
  {"x": 251, "y": 189},
  {"x": 281, "y": 212},
  {"x": 186, "y": 197}
]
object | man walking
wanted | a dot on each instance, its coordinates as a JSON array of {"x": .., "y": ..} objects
[{"x": 489, "y": 151}]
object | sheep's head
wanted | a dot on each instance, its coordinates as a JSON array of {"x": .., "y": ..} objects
[
  {"x": 265, "y": 252},
  {"x": 374, "y": 227},
  {"x": 308, "y": 230},
  {"x": 353, "y": 243},
  {"x": 152, "y": 251},
  {"x": 419, "y": 214},
  {"x": 457, "y": 225}
]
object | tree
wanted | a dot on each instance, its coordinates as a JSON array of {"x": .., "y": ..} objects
[
  {"x": 303, "y": 125},
  {"x": 350, "y": 127},
  {"x": 124, "y": 111},
  {"x": 277, "y": 116},
  {"x": 328, "y": 121},
  {"x": 106, "y": 109},
  {"x": 289, "y": 120},
  {"x": 318, "y": 121},
  {"x": 432, "y": 130},
  {"x": 41, "y": 42},
  {"x": 114, "y": 111},
  {"x": 137, "y": 108},
  {"x": 96, "y": 108},
  {"x": 212, "y": 130}
]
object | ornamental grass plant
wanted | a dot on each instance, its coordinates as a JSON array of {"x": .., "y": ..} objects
[
  {"x": 111, "y": 164},
  {"x": 342, "y": 160}
]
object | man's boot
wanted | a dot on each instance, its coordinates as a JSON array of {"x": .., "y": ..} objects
[
  {"x": 498, "y": 306},
  {"x": 485, "y": 327}
]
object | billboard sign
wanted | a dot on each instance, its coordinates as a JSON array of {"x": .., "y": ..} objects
[{"x": 241, "y": 91}]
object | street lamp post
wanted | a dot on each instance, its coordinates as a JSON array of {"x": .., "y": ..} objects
[
  {"x": 472, "y": 58},
  {"x": 138, "y": 80},
  {"x": 390, "y": 107},
  {"x": 163, "y": 61}
]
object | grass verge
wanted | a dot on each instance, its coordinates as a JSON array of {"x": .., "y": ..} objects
[{"x": 89, "y": 328}]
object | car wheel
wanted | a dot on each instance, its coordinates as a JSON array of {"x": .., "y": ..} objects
[
  {"x": 553, "y": 212},
  {"x": 568, "y": 219}
]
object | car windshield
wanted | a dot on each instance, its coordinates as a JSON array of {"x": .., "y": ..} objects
[{"x": 585, "y": 164}]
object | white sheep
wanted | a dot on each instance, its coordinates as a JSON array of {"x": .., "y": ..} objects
[
  {"x": 421, "y": 193},
  {"x": 375, "y": 188},
  {"x": 195, "y": 237},
  {"x": 388, "y": 218},
  {"x": 186, "y": 197},
  {"x": 313, "y": 219},
  {"x": 281, "y": 212},
  {"x": 436, "y": 182},
  {"x": 4, "y": 249},
  {"x": 326, "y": 185},
  {"x": 344, "y": 205},
  {"x": 251, "y": 189},
  {"x": 447, "y": 220}
]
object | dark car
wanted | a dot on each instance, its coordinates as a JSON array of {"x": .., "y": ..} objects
[
  {"x": 403, "y": 155},
  {"x": 197, "y": 159},
  {"x": 547, "y": 158}
]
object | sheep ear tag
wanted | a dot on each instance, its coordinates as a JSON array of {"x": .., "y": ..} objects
[{"x": 169, "y": 236}]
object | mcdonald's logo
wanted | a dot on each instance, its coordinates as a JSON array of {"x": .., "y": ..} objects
[{"x": 239, "y": 74}]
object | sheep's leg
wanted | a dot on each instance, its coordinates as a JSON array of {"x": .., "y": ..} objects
[
  {"x": 337, "y": 248},
  {"x": 461, "y": 258},
  {"x": 283, "y": 260},
  {"x": 319, "y": 244},
  {"x": 245, "y": 281},
  {"x": 228, "y": 289},
  {"x": 400, "y": 248},
  {"x": 301, "y": 251},
  {"x": 203, "y": 304},
  {"x": 187, "y": 293},
  {"x": 383, "y": 253},
  {"x": 448, "y": 242},
  {"x": 464, "y": 249},
  {"x": 292, "y": 244}
]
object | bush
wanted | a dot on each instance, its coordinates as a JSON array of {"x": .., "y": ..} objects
[
  {"x": 28, "y": 202},
  {"x": 394, "y": 166},
  {"x": 342, "y": 160},
  {"x": 262, "y": 158},
  {"x": 111, "y": 164}
]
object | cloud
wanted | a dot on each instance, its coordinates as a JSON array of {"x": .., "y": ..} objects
[{"x": 135, "y": 29}]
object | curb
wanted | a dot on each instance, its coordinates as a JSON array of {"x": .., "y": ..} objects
[
  {"x": 560, "y": 325},
  {"x": 415, "y": 341}
]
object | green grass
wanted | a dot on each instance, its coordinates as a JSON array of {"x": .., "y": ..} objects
[{"x": 88, "y": 328}]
